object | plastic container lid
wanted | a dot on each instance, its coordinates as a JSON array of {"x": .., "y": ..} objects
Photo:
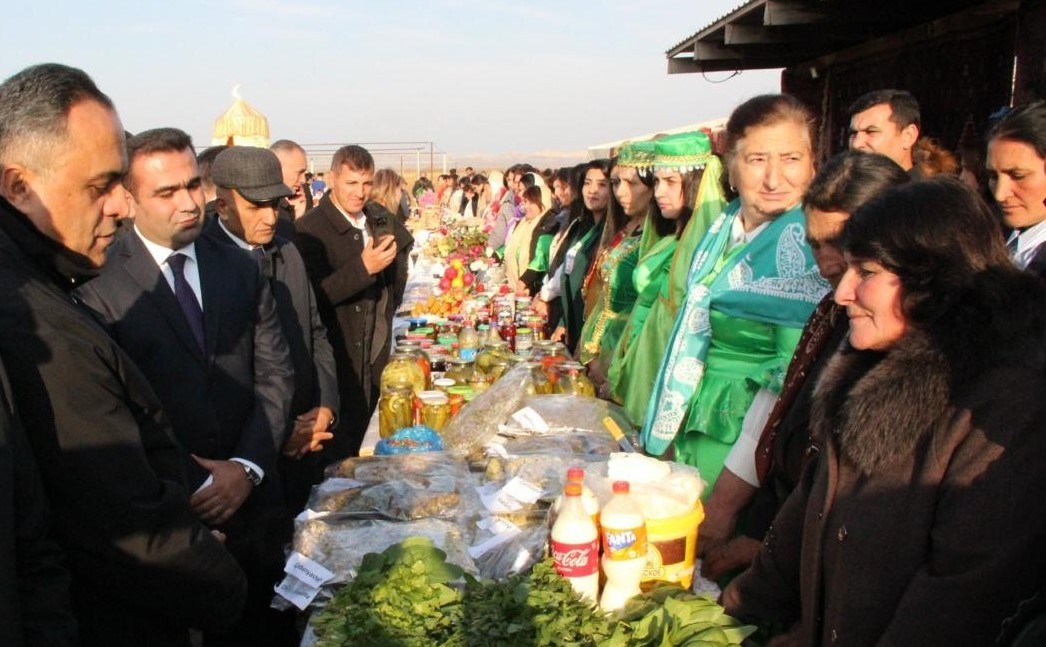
[
  {"x": 572, "y": 489},
  {"x": 621, "y": 487},
  {"x": 444, "y": 382},
  {"x": 576, "y": 474}
]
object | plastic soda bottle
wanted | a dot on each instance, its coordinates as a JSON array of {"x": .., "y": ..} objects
[
  {"x": 588, "y": 500},
  {"x": 468, "y": 342},
  {"x": 575, "y": 545},
  {"x": 624, "y": 548}
]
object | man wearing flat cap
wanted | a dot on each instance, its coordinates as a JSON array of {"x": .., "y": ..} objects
[
  {"x": 249, "y": 194},
  {"x": 200, "y": 320}
]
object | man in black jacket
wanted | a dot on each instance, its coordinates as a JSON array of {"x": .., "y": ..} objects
[
  {"x": 34, "y": 586},
  {"x": 248, "y": 219},
  {"x": 356, "y": 256},
  {"x": 144, "y": 568}
]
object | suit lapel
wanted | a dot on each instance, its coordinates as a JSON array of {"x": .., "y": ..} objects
[{"x": 144, "y": 270}]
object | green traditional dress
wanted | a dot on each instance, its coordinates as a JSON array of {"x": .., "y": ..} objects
[
  {"x": 734, "y": 334},
  {"x": 660, "y": 281},
  {"x": 604, "y": 324}
]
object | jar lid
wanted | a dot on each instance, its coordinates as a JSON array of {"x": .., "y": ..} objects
[
  {"x": 433, "y": 397},
  {"x": 444, "y": 382},
  {"x": 460, "y": 389}
]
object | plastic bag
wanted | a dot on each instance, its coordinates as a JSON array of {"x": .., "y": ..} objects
[
  {"x": 565, "y": 413},
  {"x": 403, "y": 487},
  {"x": 418, "y": 438},
  {"x": 594, "y": 444},
  {"x": 508, "y": 544},
  {"x": 662, "y": 488},
  {"x": 477, "y": 422}
]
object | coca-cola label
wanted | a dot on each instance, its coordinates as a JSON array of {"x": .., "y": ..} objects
[
  {"x": 624, "y": 543},
  {"x": 576, "y": 560}
]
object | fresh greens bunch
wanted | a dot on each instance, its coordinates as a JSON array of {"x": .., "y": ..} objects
[
  {"x": 672, "y": 615},
  {"x": 538, "y": 609},
  {"x": 400, "y": 598}
]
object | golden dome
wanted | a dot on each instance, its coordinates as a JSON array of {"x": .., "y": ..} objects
[{"x": 241, "y": 125}]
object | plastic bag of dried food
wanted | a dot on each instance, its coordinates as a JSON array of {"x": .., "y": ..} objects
[
  {"x": 394, "y": 487},
  {"x": 478, "y": 421},
  {"x": 507, "y": 544},
  {"x": 596, "y": 444},
  {"x": 339, "y": 544},
  {"x": 544, "y": 414},
  {"x": 662, "y": 488},
  {"x": 530, "y": 478}
]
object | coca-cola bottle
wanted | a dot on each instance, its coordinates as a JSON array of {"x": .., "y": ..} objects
[{"x": 575, "y": 545}]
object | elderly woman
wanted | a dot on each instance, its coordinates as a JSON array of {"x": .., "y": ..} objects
[
  {"x": 1017, "y": 178},
  {"x": 920, "y": 523},
  {"x": 752, "y": 285},
  {"x": 764, "y": 465}
]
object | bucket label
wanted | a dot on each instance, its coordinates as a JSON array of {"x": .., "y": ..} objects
[
  {"x": 624, "y": 543},
  {"x": 576, "y": 560}
]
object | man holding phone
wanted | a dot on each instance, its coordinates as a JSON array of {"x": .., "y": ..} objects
[{"x": 356, "y": 256}]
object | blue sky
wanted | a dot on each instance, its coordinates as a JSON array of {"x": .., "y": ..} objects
[{"x": 477, "y": 77}]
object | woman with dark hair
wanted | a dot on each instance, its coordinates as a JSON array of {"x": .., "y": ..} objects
[
  {"x": 526, "y": 253},
  {"x": 632, "y": 184},
  {"x": 752, "y": 285},
  {"x": 765, "y": 463},
  {"x": 687, "y": 197},
  {"x": 581, "y": 246},
  {"x": 1017, "y": 179},
  {"x": 918, "y": 524}
]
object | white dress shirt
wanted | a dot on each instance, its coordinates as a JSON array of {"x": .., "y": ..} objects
[
  {"x": 1027, "y": 244},
  {"x": 192, "y": 276},
  {"x": 359, "y": 221}
]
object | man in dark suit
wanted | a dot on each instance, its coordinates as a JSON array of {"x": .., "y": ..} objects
[
  {"x": 356, "y": 255},
  {"x": 247, "y": 219},
  {"x": 293, "y": 164},
  {"x": 200, "y": 321},
  {"x": 144, "y": 569}
]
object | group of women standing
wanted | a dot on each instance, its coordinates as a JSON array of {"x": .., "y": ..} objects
[{"x": 854, "y": 355}]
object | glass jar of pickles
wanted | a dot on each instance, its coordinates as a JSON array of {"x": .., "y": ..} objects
[
  {"x": 456, "y": 396},
  {"x": 435, "y": 409},
  {"x": 395, "y": 411},
  {"x": 480, "y": 382},
  {"x": 402, "y": 371},
  {"x": 572, "y": 380},
  {"x": 459, "y": 370},
  {"x": 539, "y": 382},
  {"x": 420, "y": 356},
  {"x": 524, "y": 341},
  {"x": 491, "y": 351}
]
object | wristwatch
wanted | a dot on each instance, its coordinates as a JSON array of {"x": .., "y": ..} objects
[{"x": 253, "y": 477}]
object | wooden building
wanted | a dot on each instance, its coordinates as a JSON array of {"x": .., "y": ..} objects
[{"x": 962, "y": 59}]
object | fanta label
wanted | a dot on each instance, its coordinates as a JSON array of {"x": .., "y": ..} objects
[
  {"x": 626, "y": 543},
  {"x": 576, "y": 560}
]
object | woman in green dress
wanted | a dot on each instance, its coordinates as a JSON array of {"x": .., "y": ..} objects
[
  {"x": 687, "y": 196},
  {"x": 613, "y": 268},
  {"x": 752, "y": 285}
]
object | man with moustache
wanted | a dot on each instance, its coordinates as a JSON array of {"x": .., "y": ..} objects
[
  {"x": 144, "y": 568},
  {"x": 886, "y": 122},
  {"x": 200, "y": 321},
  {"x": 249, "y": 195},
  {"x": 356, "y": 256}
]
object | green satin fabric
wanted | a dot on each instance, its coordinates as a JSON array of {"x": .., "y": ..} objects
[
  {"x": 630, "y": 364},
  {"x": 604, "y": 324}
]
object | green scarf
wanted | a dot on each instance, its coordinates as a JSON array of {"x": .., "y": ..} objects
[{"x": 773, "y": 279}]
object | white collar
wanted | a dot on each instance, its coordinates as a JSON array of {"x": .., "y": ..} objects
[
  {"x": 242, "y": 244},
  {"x": 160, "y": 253},
  {"x": 1028, "y": 241},
  {"x": 358, "y": 221},
  {"x": 738, "y": 234}
]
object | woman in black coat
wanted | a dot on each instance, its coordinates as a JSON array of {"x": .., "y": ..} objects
[{"x": 922, "y": 522}]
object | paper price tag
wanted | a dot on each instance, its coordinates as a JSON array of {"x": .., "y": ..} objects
[
  {"x": 522, "y": 560},
  {"x": 504, "y": 531},
  {"x": 497, "y": 449},
  {"x": 304, "y": 569},
  {"x": 531, "y": 420},
  {"x": 297, "y": 592},
  {"x": 522, "y": 491}
]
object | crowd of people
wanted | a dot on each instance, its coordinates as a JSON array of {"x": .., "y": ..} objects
[{"x": 850, "y": 351}]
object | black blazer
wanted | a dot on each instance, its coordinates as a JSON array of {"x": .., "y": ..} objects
[
  {"x": 143, "y": 567},
  {"x": 232, "y": 400},
  {"x": 356, "y": 307}
]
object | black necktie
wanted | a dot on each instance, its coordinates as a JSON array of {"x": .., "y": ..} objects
[{"x": 186, "y": 298}]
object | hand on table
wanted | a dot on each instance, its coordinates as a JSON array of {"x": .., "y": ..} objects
[
  {"x": 310, "y": 431},
  {"x": 559, "y": 334},
  {"x": 539, "y": 306},
  {"x": 220, "y": 500}
]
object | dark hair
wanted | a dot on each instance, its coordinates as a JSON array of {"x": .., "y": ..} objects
[
  {"x": 479, "y": 179},
  {"x": 929, "y": 158},
  {"x": 355, "y": 157},
  {"x": 903, "y": 106},
  {"x": 157, "y": 140},
  {"x": 1025, "y": 124},
  {"x": 850, "y": 179},
  {"x": 533, "y": 194},
  {"x": 691, "y": 186},
  {"x": 766, "y": 110},
  {"x": 34, "y": 107},
  {"x": 563, "y": 175},
  {"x": 528, "y": 180},
  {"x": 936, "y": 235},
  {"x": 206, "y": 159},
  {"x": 285, "y": 146}
]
